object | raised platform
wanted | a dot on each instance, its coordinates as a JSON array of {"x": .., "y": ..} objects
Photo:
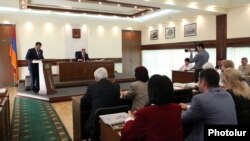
[
  {"x": 119, "y": 78},
  {"x": 65, "y": 90}
]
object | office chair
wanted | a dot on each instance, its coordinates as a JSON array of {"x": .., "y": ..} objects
[
  {"x": 104, "y": 111},
  {"x": 78, "y": 55}
]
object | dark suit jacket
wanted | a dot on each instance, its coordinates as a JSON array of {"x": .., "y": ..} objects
[
  {"x": 99, "y": 95},
  {"x": 32, "y": 55},
  {"x": 78, "y": 55},
  {"x": 155, "y": 123}
]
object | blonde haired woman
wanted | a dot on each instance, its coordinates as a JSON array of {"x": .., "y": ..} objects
[
  {"x": 240, "y": 91},
  {"x": 226, "y": 64}
]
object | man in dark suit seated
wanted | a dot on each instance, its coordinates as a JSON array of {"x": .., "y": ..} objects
[
  {"x": 99, "y": 95},
  {"x": 34, "y": 54},
  {"x": 81, "y": 56}
]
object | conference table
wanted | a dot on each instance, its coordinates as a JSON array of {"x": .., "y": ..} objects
[{"x": 107, "y": 133}]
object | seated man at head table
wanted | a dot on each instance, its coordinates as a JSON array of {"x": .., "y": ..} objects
[
  {"x": 99, "y": 95},
  {"x": 213, "y": 107},
  {"x": 186, "y": 66},
  {"x": 82, "y": 56}
]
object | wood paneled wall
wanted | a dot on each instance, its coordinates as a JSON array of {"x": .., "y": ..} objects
[{"x": 221, "y": 36}]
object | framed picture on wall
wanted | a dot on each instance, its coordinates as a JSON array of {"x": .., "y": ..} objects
[
  {"x": 170, "y": 32},
  {"x": 154, "y": 35},
  {"x": 190, "y": 30}
]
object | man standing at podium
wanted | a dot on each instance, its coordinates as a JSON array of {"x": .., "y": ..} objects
[{"x": 34, "y": 54}]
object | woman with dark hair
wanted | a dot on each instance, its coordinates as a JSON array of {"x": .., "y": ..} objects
[
  {"x": 159, "y": 122},
  {"x": 138, "y": 91}
]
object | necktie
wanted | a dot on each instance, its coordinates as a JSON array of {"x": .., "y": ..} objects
[
  {"x": 244, "y": 70},
  {"x": 83, "y": 57},
  {"x": 38, "y": 54}
]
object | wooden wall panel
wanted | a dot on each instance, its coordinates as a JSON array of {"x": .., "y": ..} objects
[
  {"x": 221, "y": 36},
  {"x": 131, "y": 50},
  {"x": 179, "y": 45},
  {"x": 6, "y": 69}
]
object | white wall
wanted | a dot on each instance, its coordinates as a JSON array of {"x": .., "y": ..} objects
[
  {"x": 206, "y": 30},
  {"x": 103, "y": 35},
  {"x": 238, "y": 21}
]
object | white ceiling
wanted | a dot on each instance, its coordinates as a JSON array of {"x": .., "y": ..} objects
[{"x": 186, "y": 8}]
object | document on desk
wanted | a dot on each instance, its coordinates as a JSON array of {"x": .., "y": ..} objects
[
  {"x": 113, "y": 119},
  {"x": 2, "y": 90},
  {"x": 184, "y": 85}
]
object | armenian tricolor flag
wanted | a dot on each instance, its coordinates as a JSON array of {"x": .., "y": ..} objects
[{"x": 13, "y": 53}]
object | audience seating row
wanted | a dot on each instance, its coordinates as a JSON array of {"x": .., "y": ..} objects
[{"x": 4, "y": 116}]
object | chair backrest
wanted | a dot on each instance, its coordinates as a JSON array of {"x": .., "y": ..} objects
[
  {"x": 4, "y": 119},
  {"x": 105, "y": 111},
  {"x": 78, "y": 55}
]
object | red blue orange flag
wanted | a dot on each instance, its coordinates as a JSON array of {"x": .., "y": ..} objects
[{"x": 13, "y": 53}]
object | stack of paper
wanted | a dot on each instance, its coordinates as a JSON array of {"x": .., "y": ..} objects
[
  {"x": 113, "y": 119},
  {"x": 184, "y": 85}
]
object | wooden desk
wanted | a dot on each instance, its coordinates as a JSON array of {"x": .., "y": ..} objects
[
  {"x": 182, "y": 76},
  {"x": 180, "y": 95},
  {"x": 76, "y": 71},
  {"x": 76, "y": 106},
  {"x": 108, "y": 134}
]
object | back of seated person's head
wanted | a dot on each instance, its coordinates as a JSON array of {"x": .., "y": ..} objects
[
  {"x": 207, "y": 65},
  {"x": 100, "y": 73},
  {"x": 160, "y": 90},
  {"x": 210, "y": 76},
  {"x": 227, "y": 64},
  {"x": 141, "y": 74}
]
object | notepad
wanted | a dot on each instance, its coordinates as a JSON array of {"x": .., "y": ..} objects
[{"x": 113, "y": 119}]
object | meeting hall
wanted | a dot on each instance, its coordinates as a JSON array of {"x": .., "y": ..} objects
[{"x": 66, "y": 63}]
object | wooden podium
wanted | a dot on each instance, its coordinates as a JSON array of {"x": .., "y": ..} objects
[
  {"x": 46, "y": 81},
  {"x": 182, "y": 76}
]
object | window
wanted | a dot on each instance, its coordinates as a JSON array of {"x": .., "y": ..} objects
[
  {"x": 236, "y": 53},
  {"x": 164, "y": 61}
]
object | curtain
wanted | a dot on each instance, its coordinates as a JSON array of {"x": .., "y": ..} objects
[
  {"x": 236, "y": 53},
  {"x": 164, "y": 61}
]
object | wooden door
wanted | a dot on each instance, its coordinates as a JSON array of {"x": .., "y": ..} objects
[
  {"x": 6, "y": 69},
  {"x": 131, "y": 50}
]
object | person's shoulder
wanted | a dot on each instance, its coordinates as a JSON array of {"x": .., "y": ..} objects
[
  {"x": 30, "y": 49},
  {"x": 136, "y": 83}
]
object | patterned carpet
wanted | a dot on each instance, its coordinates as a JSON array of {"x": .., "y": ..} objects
[{"x": 35, "y": 120}]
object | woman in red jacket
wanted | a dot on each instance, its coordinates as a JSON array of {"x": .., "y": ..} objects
[{"x": 159, "y": 122}]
